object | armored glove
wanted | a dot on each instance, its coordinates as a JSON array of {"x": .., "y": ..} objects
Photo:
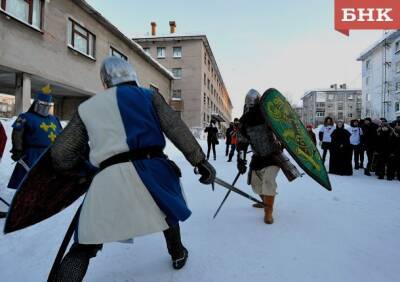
[
  {"x": 207, "y": 172},
  {"x": 16, "y": 155},
  {"x": 242, "y": 166}
]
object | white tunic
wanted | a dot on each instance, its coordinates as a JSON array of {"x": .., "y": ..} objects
[{"x": 117, "y": 205}]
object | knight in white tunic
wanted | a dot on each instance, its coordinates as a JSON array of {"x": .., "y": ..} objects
[{"x": 136, "y": 190}]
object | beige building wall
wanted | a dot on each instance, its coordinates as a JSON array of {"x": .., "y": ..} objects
[
  {"x": 47, "y": 55},
  {"x": 190, "y": 83},
  {"x": 198, "y": 103}
]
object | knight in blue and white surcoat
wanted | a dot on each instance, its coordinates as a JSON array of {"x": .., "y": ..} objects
[
  {"x": 137, "y": 190},
  {"x": 33, "y": 132}
]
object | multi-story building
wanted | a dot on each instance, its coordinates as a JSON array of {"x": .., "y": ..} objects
[
  {"x": 338, "y": 103},
  {"x": 199, "y": 92},
  {"x": 63, "y": 43},
  {"x": 381, "y": 78}
]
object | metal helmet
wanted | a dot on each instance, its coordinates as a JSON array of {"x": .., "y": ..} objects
[
  {"x": 115, "y": 71},
  {"x": 43, "y": 101},
  {"x": 252, "y": 99}
]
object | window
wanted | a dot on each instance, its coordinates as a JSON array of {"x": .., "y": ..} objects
[
  {"x": 204, "y": 99},
  {"x": 350, "y": 97},
  {"x": 177, "y": 94},
  {"x": 114, "y": 52},
  {"x": 398, "y": 66},
  {"x": 161, "y": 52},
  {"x": 367, "y": 81},
  {"x": 368, "y": 97},
  {"x": 147, "y": 50},
  {"x": 208, "y": 84},
  {"x": 205, "y": 58},
  {"x": 340, "y": 116},
  {"x": 368, "y": 64},
  {"x": 340, "y": 107},
  {"x": 177, "y": 72},
  {"x": 80, "y": 39},
  {"x": 331, "y": 97},
  {"x": 177, "y": 52},
  {"x": 320, "y": 114},
  {"x": 397, "y": 107},
  {"x": 397, "y": 47},
  {"x": 398, "y": 86},
  {"x": 349, "y": 115},
  {"x": 205, "y": 80},
  {"x": 28, "y": 11}
]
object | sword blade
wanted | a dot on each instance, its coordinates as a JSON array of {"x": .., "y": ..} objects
[
  {"x": 226, "y": 196},
  {"x": 23, "y": 164},
  {"x": 236, "y": 190}
]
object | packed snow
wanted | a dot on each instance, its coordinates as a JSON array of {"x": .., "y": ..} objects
[{"x": 350, "y": 234}]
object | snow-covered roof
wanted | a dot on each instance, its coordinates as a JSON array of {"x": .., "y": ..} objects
[
  {"x": 115, "y": 31},
  {"x": 389, "y": 36}
]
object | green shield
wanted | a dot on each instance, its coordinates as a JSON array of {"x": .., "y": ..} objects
[{"x": 293, "y": 135}]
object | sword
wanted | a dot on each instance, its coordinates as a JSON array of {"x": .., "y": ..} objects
[
  {"x": 4, "y": 201},
  {"x": 236, "y": 190},
  {"x": 23, "y": 164},
  {"x": 226, "y": 196}
]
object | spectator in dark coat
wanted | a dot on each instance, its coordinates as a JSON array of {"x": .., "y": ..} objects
[
  {"x": 394, "y": 157},
  {"x": 212, "y": 138},
  {"x": 228, "y": 138},
  {"x": 340, "y": 155},
  {"x": 383, "y": 149},
  {"x": 369, "y": 141},
  {"x": 325, "y": 136},
  {"x": 311, "y": 134}
]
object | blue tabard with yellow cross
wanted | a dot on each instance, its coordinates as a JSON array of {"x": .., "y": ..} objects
[{"x": 39, "y": 133}]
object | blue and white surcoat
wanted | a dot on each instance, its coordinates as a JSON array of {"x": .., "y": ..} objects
[{"x": 134, "y": 198}]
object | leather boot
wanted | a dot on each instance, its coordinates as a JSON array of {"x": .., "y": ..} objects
[
  {"x": 269, "y": 203},
  {"x": 179, "y": 254}
]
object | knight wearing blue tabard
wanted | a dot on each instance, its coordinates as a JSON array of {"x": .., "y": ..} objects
[{"x": 33, "y": 132}]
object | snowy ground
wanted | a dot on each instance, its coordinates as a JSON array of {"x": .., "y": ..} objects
[{"x": 350, "y": 234}]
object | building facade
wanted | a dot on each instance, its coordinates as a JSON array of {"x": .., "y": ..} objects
[
  {"x": 340, "y": 104},
  {"x": 7, "y": 105},
  {"x": 381, "y": 78},
  {"x": 199, "y": 92},
  {"x": 62, "y": 43}
]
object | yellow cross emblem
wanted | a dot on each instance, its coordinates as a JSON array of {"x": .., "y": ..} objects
[
  {"x": 52, "y": 137},
  {"x": 52, "y": 127}
]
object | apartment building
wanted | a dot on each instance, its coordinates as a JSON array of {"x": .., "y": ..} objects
[
  {"x": 381, "y": 77},
  {"x": 63, "y": 43},
  {"x": 338, "y": 103},
  {"x": 199, "y": 92}
]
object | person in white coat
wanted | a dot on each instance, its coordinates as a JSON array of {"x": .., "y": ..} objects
[
  {"x": 325, "y": 137},
  {"x": 137, "y": 189},
  {"x": 355, "y": 142}
]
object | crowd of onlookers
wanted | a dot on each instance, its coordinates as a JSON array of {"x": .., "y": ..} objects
[
  {"x": 378, "y": 140},
  {"x": 372, "y": 145}
]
